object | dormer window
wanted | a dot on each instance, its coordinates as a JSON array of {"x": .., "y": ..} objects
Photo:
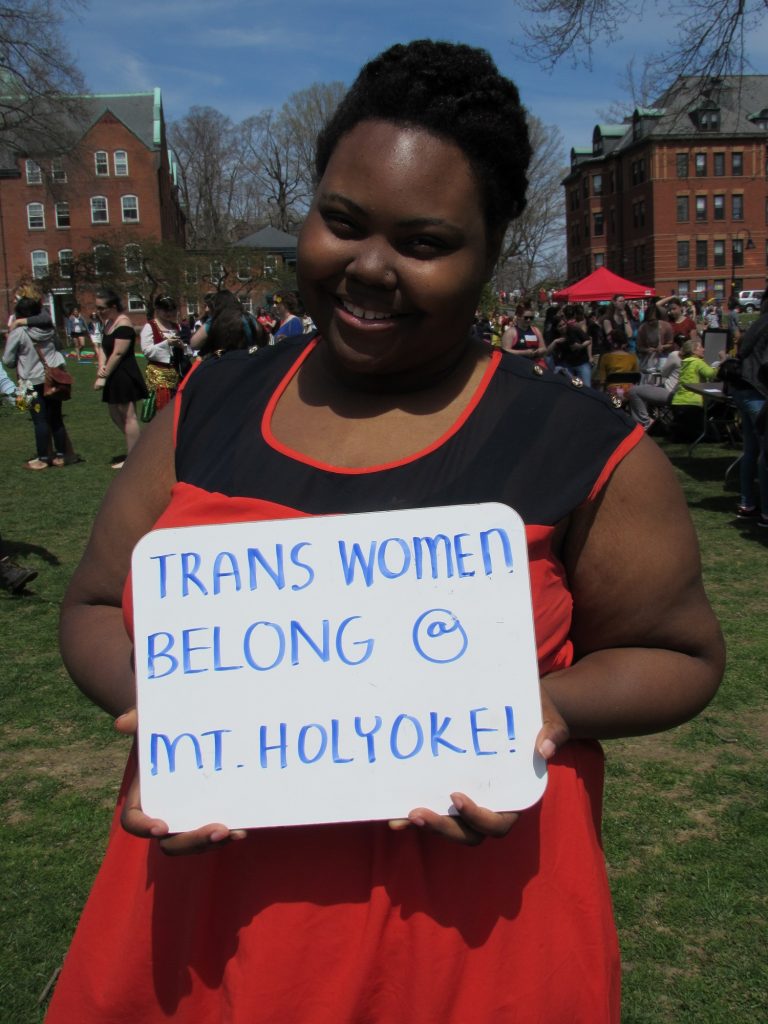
[{"x": 707, "y": 117}]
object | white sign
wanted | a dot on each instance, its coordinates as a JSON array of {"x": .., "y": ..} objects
[{"x": 340, "y": 668}]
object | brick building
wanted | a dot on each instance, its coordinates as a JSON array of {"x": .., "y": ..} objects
[
  {"x": 677, "y": 196},
  {"x": 116, "y": 180}
]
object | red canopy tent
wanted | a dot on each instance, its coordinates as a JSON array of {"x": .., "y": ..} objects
[{"x": 601, "y": 285}]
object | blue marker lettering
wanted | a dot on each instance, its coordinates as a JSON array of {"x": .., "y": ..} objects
[
  {"x": 247, "y": 645},
  {"x": 368, "y": 736},
  {"x": 357, "y": 557},
  {"x": 217, "y": 665},
  {"x": 217, "y": 734},
  {"x": 220, "y": 574},
  {"x": 170, "y": 749},
  {"x": 153, "y": 655},
  {"x": 297, "y": 630},
  {"x": 302, "y": 744},
  {"x": 485, "y": 547},
  {"x": 431, "y": 544},
  {"x": 190, "y": 566},
  {"x": 462, "y": 555},
  {"x": 476, "y": 730},
  {"x": 386, "y": 572},
  {"x": 337, "y": 758},
  {"x": 301, "y": 565},
  {"x": 162, "y": 560},
  {"x": 277, "y": 573},
  {"x": 395, "y": 733},
  {"x": 436, "y": 735},
  {"x": 367, "y": 645},
  {"x": 187, "y": 650},
  {"x": 282, "y": 745}
]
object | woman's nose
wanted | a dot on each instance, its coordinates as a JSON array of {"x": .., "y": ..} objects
[{"x": 373, "y": 264}]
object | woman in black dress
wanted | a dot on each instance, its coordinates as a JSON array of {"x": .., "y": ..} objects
[{"x": 120, "y": 377}]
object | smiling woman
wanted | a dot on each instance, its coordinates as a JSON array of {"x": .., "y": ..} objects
[{"x": 482, "y": 915}]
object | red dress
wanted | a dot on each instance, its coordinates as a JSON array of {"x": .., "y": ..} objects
[{"x": 344, "y": 924}]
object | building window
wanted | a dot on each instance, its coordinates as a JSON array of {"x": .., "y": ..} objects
[
  {"x": 35, "y": 216},
  {"x": 701, "y": 208},
  {"x": 34, "y": 174},
  {"x": 718, "y": 253},
  {"x": 683, "y": 289},
  {"x": 682, "y": 165},
  {"x": 102, "y": 259},
  {"x": 243, "y": 270},
  {"x": 709, "y": 120},
  {"x": 586, "y": 225},
  {"x": 39, "y": 264},
  {"x": 718, "y": 287},
  {"x": 62, "y": 215},
  {"x": 737, "y": 209},
  {"x": 638, "y": 214},
  {"x": 737, "y": 252},
  {"x": 247, "y": 304},
  {"x": 737, "y": 164},
  {"x": 269, "y": 264},
  {"x": 191, "y": 306},
  {"x": 718, "y": 207},
  {"x": 218, "y": 272},
  {"x": 101, "y": 159},
  {"x": 718, "y": 164},
  {"x": 135, "y": 303},
  {"x": 701, "y": 289},
  {"x": 638, "y": 171},
  {"x": 121, "y": 163},
  {"x": 701, "y": 165},
  {"x": 597, "y": 184},
  {"x": 683, "y": 255},
  {"x": 57, "y": 171},
  {"x": 99, "y": 210},
  {"x": 130, "y": 208},
  {"x": 132, "y": 259},
  {"x": 701, "y": 254},
  {"x": 682, "y": 208},
  {"x": 597, "y": 224},
  {"x": 65, "y": 262},
  {"x": 599, "y": 259},
  {"x": 585, "y": 186}
]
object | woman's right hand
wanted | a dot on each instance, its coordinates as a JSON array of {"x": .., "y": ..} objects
[{"x": 139, "y": 824}]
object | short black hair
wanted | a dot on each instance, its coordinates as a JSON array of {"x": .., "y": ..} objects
[
  {"x": 166, "y": 304},
  {"x": 27, "y": 306},
  {"x": 109, "y": 298},
  {"x": 455, "y": 92}
]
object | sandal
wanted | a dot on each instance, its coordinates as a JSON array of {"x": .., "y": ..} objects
[{"x": 36, "y": 464}]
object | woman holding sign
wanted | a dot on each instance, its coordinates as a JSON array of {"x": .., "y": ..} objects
[{"x": 476, "y": 916}]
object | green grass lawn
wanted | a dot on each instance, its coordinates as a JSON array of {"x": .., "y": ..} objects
[{"x": 685, "y": 817}]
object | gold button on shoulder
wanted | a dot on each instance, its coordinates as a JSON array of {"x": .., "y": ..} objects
[
  {"x": 577, "y": 382},
  {"x": 538, "y": 370}
]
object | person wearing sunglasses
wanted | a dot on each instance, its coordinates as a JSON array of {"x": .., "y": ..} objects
[{"x": 523, "y": 337}]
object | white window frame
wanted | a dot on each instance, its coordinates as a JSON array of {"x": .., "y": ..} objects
[
  {"x": 136, "y": 304},
  {"x": 58, "y": 211},
  {"x": 33, "y": 172},
  {"x": 104, "y": 161},
  {"x": 244, "y": 270},
  {"x": 126, "y": 219},
  {"x": 68, "y": 259},
  {"x": 191, "y": 306},
  {"x": 121, "y": 165},
  {"x": 98, "y": 220},
  {"x": 38, "y": 266},
  {"x": 58, "y": 173},
  {"x": 36, "y": 216}
]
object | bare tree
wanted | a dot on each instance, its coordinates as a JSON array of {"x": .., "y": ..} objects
[
  {"x": 304, "y": 114},
  {"x": 534, "y": 245},
  {"x": 40, "y": 105},
  {"x": 638, "y": 86},
  {"x": 710, "y": 40},
  {"x": 218, "y": 192},
  {"x": 274, "y": 162}
]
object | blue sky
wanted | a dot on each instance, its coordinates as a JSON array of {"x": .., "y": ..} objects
[{"x": 242, "y": 56}]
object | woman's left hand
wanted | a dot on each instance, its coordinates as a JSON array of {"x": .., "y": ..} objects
[{"x": 473, "y": 824}]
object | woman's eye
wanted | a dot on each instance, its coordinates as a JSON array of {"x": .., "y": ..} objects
[
  {"x": 427, "y": 245},
  {"x": 341, "y": 225}
]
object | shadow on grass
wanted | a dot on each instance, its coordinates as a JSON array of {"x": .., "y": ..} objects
[{"x": 14, "y": 548}]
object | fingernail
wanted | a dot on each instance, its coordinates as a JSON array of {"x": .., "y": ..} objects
[
  {"x": 217, "y": 837},
  {"x": 157, "y": 831},
  {"x": 239, "y": 834},
  {"x": 547, "y": 749},
  {"x": 398, "y": 823},
  {"x": 418, "y": 821},
  {"x": 458, "y": 803}
]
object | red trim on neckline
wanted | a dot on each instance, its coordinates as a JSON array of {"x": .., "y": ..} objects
[{"x": 271, "y": 440}]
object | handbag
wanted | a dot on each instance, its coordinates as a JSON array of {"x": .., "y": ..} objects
[{"x": 58, "y": 383}]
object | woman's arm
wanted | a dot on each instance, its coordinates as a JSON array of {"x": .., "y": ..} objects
[
  {"x": 120, "y": 347},
  {"x": 649, "y": 652},
  {"x": 94, "y": 645}
]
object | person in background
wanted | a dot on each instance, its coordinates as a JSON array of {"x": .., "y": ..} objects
[
  {"x": 287, "y": 308},
  {"x": 29, "y": 350},
  {"x": 618, "y": 360},
  {"x": 687, "y": 405},
  {"x": 617, "y": 315},
  {"x": 161, "y": 343},
  {"x": 655, "y": 339},
  {"x": 643, "y": 395},
  {"x": 672, "y": 307},
  {"x": 77, "y": 331},
  {"x": 120, "y": 379},
  {"x": 732, "y": 324},
  {"x": 750, "y": 394},
  {"x": 227, "y": 328},
  {"x": 523, "y": 337},
  {"x": 572, "y": 353},
  {"x": 96, "y": 332}
]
